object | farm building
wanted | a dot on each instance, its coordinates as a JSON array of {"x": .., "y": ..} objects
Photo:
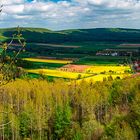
[{"x": 137, "y": 65}]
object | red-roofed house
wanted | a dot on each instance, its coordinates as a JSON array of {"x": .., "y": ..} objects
[{"x": 137, "y": 65}]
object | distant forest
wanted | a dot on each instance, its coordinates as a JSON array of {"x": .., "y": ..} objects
[{"x": 34, "y": 35}]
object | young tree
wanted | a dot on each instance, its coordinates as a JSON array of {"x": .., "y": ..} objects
[{"x": 8, "y": 72}]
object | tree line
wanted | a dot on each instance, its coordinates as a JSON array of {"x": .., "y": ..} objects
[{"x": 41, "y": 110}]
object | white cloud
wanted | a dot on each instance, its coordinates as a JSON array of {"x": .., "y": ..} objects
[
  {"x": 13, "y": 9},
  {"x": 8, "y": 2},
  {"x": 74, "y": 14}
]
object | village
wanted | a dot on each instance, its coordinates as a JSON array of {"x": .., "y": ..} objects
[{"x": 119, "y": 52}]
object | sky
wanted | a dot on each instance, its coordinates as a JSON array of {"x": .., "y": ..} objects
[{"x": 70, "y": 14}]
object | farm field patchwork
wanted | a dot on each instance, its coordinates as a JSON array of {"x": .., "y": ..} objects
[{"x": 78, "y": 72}]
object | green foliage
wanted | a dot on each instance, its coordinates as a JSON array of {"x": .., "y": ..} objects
[
  {"x": 24, "y": 126},
  {"x": 62, "y": 121},
  {"x": 68, "y": 111},
  {"x": 79, "y": 76},
  {"x": 7, "y": 128},
  {"x": 77, "y": 136},
  {"x": 110, "y": 78},
  {"x": 119, "y": 129}
]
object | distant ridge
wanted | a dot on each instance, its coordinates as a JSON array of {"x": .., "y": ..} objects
[{"x": 41, "y": 35}]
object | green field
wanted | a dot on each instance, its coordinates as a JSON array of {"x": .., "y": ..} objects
[
  {"x": 102, "y": 60},
  {"x": 34, "y": 65}
]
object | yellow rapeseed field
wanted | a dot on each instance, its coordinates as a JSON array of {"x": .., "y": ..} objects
[
  {"x": 58, "y": 73},
  {"x": 48, "y": 60},
  {"x": 116, "y": 69},
  {"x": 100, "y": 77}
]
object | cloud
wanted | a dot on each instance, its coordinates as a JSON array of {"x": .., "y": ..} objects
[
  {"x": 71, "y": 13},
  {"x": 8, "y": 2}
]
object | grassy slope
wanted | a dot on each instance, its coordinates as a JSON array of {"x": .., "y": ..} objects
[
  {"x": 80, "y": 35},
  {"x": 88, "y": 39}
]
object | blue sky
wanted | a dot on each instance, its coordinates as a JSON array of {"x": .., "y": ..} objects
[{"x": 68, "y": 14}]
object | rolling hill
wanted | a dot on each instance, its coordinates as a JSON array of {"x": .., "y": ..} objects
[
  {"x": 81, "y": 44},
  {"x": 40, "y": 35}
]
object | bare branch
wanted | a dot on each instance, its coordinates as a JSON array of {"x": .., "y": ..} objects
[
  {"x": 4, "y": 68},
  {"x": 2, "y": 125},
  {"x": 1, "y": 8}
]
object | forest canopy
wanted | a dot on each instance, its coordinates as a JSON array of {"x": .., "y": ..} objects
[{"x": 38, "y": 109}]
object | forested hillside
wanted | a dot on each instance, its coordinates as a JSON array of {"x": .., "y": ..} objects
[
  {"x": 38, "y": 35},
  {"x": 39, "y": 110}
]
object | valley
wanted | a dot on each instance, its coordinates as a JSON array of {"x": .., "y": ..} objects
[{"x": 95, "y": 54}]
